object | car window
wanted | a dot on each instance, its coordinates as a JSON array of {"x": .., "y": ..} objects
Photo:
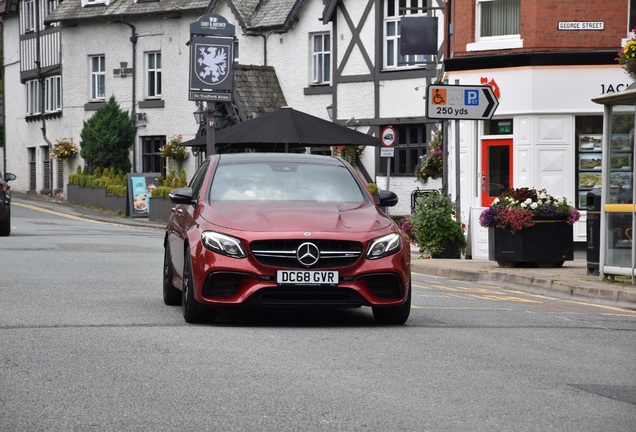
[
  {"x": 197, "y": 180},
  {"x": 285, "y": 182}
]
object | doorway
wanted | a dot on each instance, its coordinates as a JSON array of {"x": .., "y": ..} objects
[{"x": 496, "y": 168}]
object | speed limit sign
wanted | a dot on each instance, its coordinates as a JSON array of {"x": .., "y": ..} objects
[{"x": 388, "y": 136}]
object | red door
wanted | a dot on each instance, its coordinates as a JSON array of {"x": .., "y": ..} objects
[{"x": 496, "y": 168}]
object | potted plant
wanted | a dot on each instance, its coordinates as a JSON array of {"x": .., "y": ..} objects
[
  {"x": 529, "y": 227},
  {"x": 438, "y": 228},
  {"x": 627, "y": 57}
]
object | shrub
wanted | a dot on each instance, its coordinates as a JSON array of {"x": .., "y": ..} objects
[{"x": 437, "y": 224}]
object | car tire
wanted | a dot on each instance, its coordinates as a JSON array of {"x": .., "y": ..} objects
[
  {"x": 193, "y": 312},
  {"x": 5, "y": 226},
  {"x": 171, "y": 295},
  {"x": 394, "y": 315}
]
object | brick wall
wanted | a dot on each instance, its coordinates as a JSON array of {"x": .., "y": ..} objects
[{"x": 539, "y": 22}]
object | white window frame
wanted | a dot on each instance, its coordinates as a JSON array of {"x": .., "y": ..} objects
[
  {"x": 95, "y": 2},
  {"x": 50, "y": 6},
  {"x": 28, "y": 16},
  {"x": 391, "y": 39},
  {"x": 97, "y": 77},
  {"x": 53, "y": 94},
  {"x": 153, "y": 75},
  {"x": 320, "y": 58},
  {"x": 33, "y": 98},
  {"x": 483, "y": 43}
]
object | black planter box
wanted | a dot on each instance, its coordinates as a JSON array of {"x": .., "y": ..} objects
[
  {"x": 72, "y": 193},
  {"x": 546, "y": 244},
  {"x": 115, "y": 204},
  {"x": 160, "y": 209}
]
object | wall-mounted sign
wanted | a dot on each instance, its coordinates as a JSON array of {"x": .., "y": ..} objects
[{"x": 581, "y": 25}]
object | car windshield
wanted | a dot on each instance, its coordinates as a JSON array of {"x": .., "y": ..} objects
[{"x": 279, "y": 181}]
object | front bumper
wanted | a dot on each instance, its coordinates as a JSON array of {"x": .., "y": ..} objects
[{"x": 220, "y": 280}]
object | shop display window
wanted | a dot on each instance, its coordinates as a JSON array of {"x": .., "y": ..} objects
[{"x": 589, "y": 156}]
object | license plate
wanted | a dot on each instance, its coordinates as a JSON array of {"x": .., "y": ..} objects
[{"x": 306, "y": 277}]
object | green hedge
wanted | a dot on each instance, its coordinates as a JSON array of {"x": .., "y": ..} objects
[{"x": 115, "y": 183}]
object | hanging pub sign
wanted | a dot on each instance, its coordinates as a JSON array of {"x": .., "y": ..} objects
[
  {"x": 211, "y": 74},
  {"x": 211, "y": 59}
]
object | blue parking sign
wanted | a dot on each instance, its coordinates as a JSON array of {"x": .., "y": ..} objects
[{"x": 471, "y": 97}]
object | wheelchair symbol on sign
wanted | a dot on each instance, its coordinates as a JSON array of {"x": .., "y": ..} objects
[{"x": 471, "y": 97}]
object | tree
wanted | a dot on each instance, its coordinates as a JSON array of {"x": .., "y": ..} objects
[{"x": 107, "y": 137}]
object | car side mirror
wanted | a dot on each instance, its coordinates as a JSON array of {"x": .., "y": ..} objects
[
  {"x": 9, "y": 177},
  {"x": 181, "y": 196},
  {"x": 387, "y": 198}
]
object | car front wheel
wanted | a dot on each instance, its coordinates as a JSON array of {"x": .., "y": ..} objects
[
  {"x": 394, "y": 315},
  {"x": 193, "y": 312}
]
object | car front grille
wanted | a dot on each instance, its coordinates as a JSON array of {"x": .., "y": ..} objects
[
  {"x": 282, "y": 253},
  {"x": 340, "y": 297}
]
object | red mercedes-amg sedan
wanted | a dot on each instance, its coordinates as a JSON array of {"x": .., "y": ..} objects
[{"x": 284, "y": 229}]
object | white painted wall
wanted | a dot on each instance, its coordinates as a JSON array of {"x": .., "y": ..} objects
[{"x": 543, "y": 103}]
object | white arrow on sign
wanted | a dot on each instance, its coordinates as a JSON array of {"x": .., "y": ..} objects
[{"x": 459, "y": 102}]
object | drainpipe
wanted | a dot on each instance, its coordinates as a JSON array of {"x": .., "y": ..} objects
[
  {"x": 133, "y": 111},
  {"x": 264, "y": 36},
  {"x": 41, "y": 82},
  {"x": 4, "y": 116}
]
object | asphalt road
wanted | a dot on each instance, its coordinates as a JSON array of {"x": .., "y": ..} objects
[{"x": 86, "y": 344}]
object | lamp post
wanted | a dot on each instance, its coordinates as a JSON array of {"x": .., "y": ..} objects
[
  {"x": 209, "y": 130},
  {"x": 199, "y": 114},
  {"x": 207, "y": 116}
]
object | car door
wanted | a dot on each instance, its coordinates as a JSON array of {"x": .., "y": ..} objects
[{"x": 183, "y": 218}]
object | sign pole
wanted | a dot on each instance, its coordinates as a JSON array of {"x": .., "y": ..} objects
[
  {"x": 457, "y": 170},
  {"x": 389, "y": 136}
]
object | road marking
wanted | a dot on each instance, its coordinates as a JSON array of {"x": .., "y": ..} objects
[
  {"x": 78, "y": 218},
  {"x": 487, "y": 294},
  {"x": 459, "y": 308}
]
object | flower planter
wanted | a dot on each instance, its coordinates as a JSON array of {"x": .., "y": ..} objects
[
  {"x": 549, "y": 243},
  {"x": 451, "y": 250},
  {"x": 160, "y": 209}
]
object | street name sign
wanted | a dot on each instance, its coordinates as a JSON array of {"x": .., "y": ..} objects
[{"x": 458, "y": 102}]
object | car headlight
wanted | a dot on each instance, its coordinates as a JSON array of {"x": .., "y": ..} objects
[
  {"x": 384, "y": 246},
  {"x": 223, "y": 244}
]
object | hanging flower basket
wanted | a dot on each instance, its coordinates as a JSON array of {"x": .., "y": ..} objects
[
  {"x": 627, "y": 57},
  {"x": 173, "y": 149},
  {"x": 63, "y": 149},
  {"x": 432, "y": 164}
]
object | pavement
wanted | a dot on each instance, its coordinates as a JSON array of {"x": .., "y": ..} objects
[{"x": 571, "y": 281}]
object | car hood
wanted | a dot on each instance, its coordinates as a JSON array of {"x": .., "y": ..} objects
[{"x": 295, "y": 216}]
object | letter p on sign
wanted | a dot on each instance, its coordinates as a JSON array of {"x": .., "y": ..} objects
[{"x": 471, "y": 97}]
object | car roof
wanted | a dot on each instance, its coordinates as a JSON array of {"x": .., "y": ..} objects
[{"x": 231, "y": 158}]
